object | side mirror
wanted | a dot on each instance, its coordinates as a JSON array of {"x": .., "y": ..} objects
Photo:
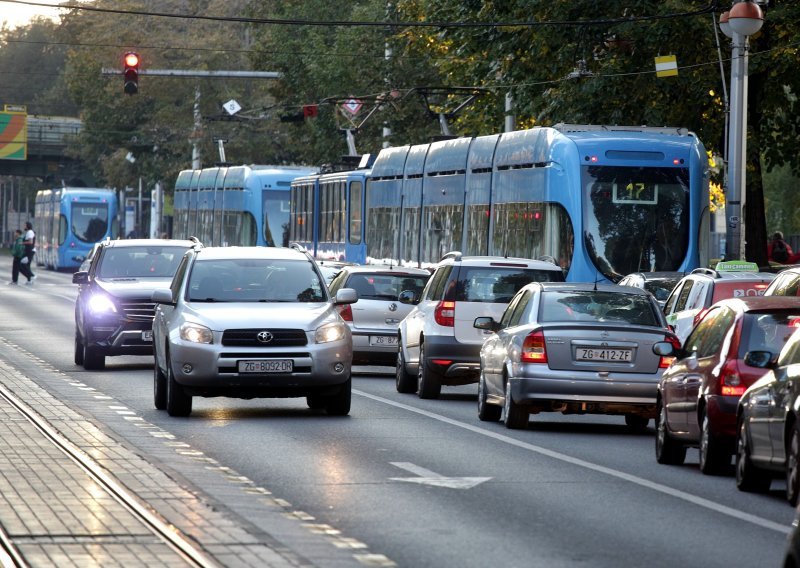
[
  {"x": 162, "y": 296},
  {"x": 408, "y": 297},
  {"x": 80, "y": 277},
  {"x": 487, "y": 323},
  {"x": 346, "y": 296},
  {"x": 664, "y": 349},
  {"x": 758, "y": 359}
]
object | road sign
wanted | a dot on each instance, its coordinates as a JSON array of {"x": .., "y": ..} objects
[
  {"x": 232, "y": 107},
  {"x": 352, "y": 106}
]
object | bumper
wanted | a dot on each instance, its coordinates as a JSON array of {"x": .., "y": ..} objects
[
  {"x": 721, "y": 412},
  {"x": 384, "y": 353},
  {"x": 127, "y": 339},
  {"x": 463, "y": 360},
  {"x": 586, "y": 392},
  {"x": 212, "y": 370}
]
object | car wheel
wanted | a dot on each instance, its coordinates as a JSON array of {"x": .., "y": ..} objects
[
  {"x": 793, "y": 467},
  {"x": 486, "y": 412},
  {"x": 713, "y": 458},
  {"x": 178, "y": 402},
  {"x": 515, "y": 416},
  {"x": 93, "y": 360},
  {"x": 78, "y": 349},
  {"x": 668, "y": 451},
  {"x": 159, "y": 386},
  {"x": 428, "y": 384},
  {"x": 748, "y": 477},
  {"x": 636, "y": 422},
  {"x": 404, "y": 381},
  {"x": 339, "y": 404},
  {"x": 315, "y": 402}
]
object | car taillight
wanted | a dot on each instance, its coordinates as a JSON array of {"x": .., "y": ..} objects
[
  {"x": 667, "y": 361},
  {"x": 346, "y": 312},
  {"x": 533, "y": 348},
  {"x": 445, "y": 314},
  {"x": 699, "y": 316},
  {"x": 730, "y": 382}
]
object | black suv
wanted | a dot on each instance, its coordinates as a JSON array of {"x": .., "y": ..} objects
[{"x": 114, "y": 311}]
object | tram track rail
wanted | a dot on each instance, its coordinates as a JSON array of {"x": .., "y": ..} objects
[{"x": 11, "y": 557}]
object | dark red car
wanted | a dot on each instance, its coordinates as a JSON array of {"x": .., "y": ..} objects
[{"x": 699, "y": 392}]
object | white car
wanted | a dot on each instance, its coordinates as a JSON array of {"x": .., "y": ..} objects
[
  {"x": 438, "y": 344},
  {"x": 374, "y": 319}
]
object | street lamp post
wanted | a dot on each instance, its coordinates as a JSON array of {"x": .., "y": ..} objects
[{"x": 743, "y": 20}]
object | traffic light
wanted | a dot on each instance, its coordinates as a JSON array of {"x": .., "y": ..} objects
[{"x": 131, "y": 73}]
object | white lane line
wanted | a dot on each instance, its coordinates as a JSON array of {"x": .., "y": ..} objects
[{"x": 688, "y": 497}]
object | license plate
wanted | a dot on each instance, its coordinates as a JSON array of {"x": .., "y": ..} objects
[
  {"x": 147, "y": 335},
  {"x": 379, "y": 340},
  {"x": 623, "y": 355},
  {"x": 272, "y": 366}
]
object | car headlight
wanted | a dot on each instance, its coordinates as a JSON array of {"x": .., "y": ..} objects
[
  {"x": 196, "y": 333},
  {"x": 101, "y": 304},
  {"x": 330, "y": 332}
]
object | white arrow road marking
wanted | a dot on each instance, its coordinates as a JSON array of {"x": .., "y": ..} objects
[{"x": 428, "y": 477}]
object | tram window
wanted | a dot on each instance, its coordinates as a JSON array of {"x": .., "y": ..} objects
[{"x": 356, "y": 213}]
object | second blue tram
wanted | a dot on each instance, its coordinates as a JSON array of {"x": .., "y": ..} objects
[
  {"x": 236, "y": 205},
  {"x": 600, "y": 201},
  {"x": 69, "y": 221}
]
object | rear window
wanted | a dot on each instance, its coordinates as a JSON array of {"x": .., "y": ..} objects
[
  {"x": 497, "y": 284},
  {"x": 767, "y": 332},
  {"x": 598, "y": 306},
  {"x": 383, "y": 286},
  {"x": 738, "y": 289}
]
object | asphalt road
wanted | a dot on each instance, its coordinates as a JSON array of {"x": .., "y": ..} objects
[{"x": 425, "y": 483}]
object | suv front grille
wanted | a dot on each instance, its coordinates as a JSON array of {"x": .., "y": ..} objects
[
  {"x": 249, "y": 338},
  {"x": 139, "y": 310}
]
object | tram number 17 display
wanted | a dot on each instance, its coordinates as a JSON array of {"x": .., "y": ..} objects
[{"x": 635, "y": 192}]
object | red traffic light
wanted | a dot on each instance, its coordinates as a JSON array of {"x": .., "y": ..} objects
[
  {"x": 131, "y": 73},
  {"x": 131, "y": 59}
]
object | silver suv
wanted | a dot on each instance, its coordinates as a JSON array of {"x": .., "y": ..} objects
[
  {"x": 437, "y": 343},
  {"x": 250, "y": 322}
]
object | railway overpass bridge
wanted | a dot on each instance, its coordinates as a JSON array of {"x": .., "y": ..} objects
[{"x": 47, "y": 138}]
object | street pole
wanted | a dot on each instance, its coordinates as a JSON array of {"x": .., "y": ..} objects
[{"x": 744, "y": 19}]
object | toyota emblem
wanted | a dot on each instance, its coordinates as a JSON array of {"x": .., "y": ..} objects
[
  {"x": 392, "y": 307},
  {"x": 264, "y": 337}
]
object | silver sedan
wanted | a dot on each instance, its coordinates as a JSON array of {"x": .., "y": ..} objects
[{"x": 575, "y": 349}]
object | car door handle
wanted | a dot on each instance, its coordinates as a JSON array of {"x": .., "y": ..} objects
[{"x": 692, "y": 380}]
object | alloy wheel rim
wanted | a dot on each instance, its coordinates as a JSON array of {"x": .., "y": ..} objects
[
  {"x": 704, "y": 442},
  {"x": 661, "y": 434},
  {"x": 791, "y": 465}
]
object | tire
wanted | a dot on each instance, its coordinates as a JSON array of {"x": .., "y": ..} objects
[
  {"x": 403, "y": 380},
  {"x": 159, "y": 387},
  {"x": 78, "y": 350},
  {"x": 748, "y": 476},
  {"x": 315, "y": 402},
  {"x": 486, "y": 412},
  {"x": 515, "y": 416},
  {"x": 178, "y": 402},
  {"x": 793, "y": 467},
  {"x": 668, "y": 451},
  {"x": 93, "y": 360},
  {"x": 714, "y": 459},
  {"x": 339, "y": 404},
  {"x": 428, "y": 383},
  {"x": 636, "y": 422}
]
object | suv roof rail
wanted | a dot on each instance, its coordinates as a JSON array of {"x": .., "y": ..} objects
[
  {"x": 196, "y": 241},
  {"x": 297, "y": 246},
  {"x": 708, "y": 271},
  {"x": 454, "y": 254}
]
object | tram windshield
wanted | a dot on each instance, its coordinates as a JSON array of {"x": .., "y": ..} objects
[
  {"x": 89, "y": 221},
  {"x": 636, "y": 219}
]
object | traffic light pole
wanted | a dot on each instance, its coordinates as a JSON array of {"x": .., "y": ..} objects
[{"x": 199, "y": 73}]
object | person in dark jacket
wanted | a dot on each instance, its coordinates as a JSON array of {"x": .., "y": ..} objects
[
  {"x": 17, "y": 252},
  {"x": 778, "y": 250},
  {"x": 29, "y": 242}
]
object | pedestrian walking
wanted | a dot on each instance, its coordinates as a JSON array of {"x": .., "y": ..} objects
[
  {"x": 17, "y": 253},
  {"x": 26, "y": 263}
]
